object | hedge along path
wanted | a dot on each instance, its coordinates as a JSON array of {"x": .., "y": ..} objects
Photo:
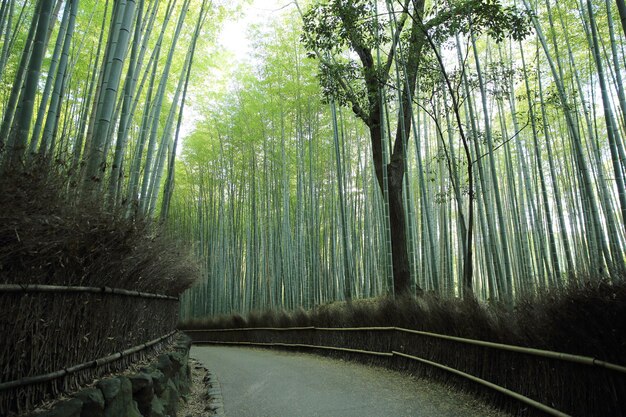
[
  {"x": 12, "y": 288},
  {"x": 577, "y": 359},
  {"x": 85, "y": 365}
]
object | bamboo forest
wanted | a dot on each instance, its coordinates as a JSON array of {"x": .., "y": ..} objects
[{"x": 355, "y": 149}]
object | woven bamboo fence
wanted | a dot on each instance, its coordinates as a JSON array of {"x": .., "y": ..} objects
[{"x": 55, "y": 338}]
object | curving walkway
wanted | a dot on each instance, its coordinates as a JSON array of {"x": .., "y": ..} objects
[{"x": 264, "y": 383}]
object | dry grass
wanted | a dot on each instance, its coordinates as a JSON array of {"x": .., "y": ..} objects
[{"x": 49, "y": 237}]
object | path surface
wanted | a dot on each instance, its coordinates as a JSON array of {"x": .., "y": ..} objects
[{"x": 264, "y": 383}]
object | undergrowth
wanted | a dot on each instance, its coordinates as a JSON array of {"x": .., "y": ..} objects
[
  {"x": 50, "y": 236},
  {"x": 588, "y": 318}
]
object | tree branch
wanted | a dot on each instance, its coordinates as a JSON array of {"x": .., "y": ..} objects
[{"x": 396, "y": 37}]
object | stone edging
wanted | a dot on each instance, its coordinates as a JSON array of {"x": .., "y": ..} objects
[{"x": 214, "y": 391}]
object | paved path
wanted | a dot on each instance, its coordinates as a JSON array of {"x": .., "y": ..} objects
[{"x": 264, "y": 383}]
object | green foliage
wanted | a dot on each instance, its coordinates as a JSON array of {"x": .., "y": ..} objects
[
  {"x": 337, "y": 30},
  {"x": 480, "y": 16},
  {"x": 332, "y": 29},
  {"x": 336, "y": 25},
  {"x": 348, "y": 71}
]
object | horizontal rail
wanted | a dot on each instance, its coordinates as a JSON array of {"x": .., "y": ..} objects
[
  {"x": 546, "y": 409},
  {"x": 252, "y": 328},
  {"x": 23, "y": 288},
  {"x": 72, "y": 369},
  {"x": 366, "y": 352},
  {"x": 354, "y": 329},
  {"x": 341, "y": 329},
  {"x": 567, "y": 357}
]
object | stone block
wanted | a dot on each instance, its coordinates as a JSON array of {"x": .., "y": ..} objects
[
  {"x": 158, "y": 380},
  {"x": 156, "y": 408},
  {"x": 165, "y": 365},
  {"x": 140, "y": 381},
  {"x": 143, "y": 392},
  {"x": 110, "y": 387},
  {"x": 118, "y": 395},
  {"x": 93, "y": 402},
  {"x": 65, "y": 408},
  {"x": 170, "y": 398}
]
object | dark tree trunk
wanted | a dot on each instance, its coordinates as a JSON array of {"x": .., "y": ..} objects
[
  {"x": 396, "y": 169},
  {"x": 372, "y": 117},
  {"x": 468, "y": 263},
  {"x": 621, "y": 8},
  {"x": 397, "y": 223},
  {"x": 397, "y": 219}
]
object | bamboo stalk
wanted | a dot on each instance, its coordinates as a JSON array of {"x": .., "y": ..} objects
[
  {"x": 8, "y": 288},
  {"x": 293, "y": 328},
  {"x": 91, "y": 364}
]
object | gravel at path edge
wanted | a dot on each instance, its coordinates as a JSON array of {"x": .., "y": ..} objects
[{"x": 198, "y": 403}]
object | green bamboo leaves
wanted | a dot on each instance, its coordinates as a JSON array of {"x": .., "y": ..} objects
[{"x": 88, "y": 59}]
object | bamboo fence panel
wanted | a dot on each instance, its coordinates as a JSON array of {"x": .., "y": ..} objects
[
  {"x": 51, "y": 335},
  {"x": 24, "y": 288}
]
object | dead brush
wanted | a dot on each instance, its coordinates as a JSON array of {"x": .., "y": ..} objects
[{"x": 50, "y": 236}]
